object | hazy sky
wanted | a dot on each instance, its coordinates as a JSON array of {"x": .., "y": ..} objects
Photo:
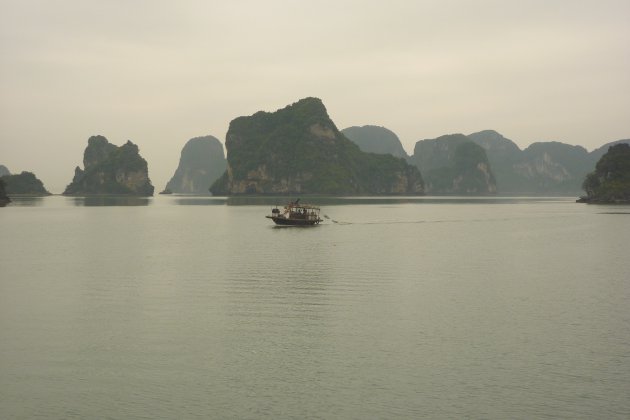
[{"x": 160, "y": 72}]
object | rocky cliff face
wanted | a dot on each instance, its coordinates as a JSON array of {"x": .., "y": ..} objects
[
  {"x": 299, "y": 150},
  {"x": 374, "y": 139},
  {"x": 201, "y": 163},
  {"x": 542, "y": 168},
  {"x": 453, "y": 164},
  {"x": 109, "y": 169},
  {"x": 554, "y": 165}
]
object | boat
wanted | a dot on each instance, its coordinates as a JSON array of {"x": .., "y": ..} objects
[{"x": 295, "y": 214}]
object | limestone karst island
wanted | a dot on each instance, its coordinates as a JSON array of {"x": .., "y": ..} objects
[
  {"x": 299, "y": 150},
  {"x": 111, "y": 169},
  {"x": 22, "y": 184},
  {"x": 202, "y": 161}
]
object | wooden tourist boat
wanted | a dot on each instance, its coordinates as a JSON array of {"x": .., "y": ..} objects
[{"x": 295, "y": 214}]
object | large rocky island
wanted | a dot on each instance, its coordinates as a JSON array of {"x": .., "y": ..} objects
[
  {"x": 299, "y": 150},
  {"x": 610, "y": 182},
  {"x": 202, "y": 162},
  {"x": 111, "y": 170}
]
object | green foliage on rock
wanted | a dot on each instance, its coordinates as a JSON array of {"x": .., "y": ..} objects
[
  {"x": 97, "y": 151},
  {"x": 25, "y": 183},
  {"x": 298, "y": 149},
  {"x": 4, "y": 198},
  {"x": 597, "y": 154},
  {"x": 610, "y": 182},
  {"x": 111, "y": 170}
]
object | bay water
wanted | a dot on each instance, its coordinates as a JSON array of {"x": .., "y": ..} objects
[{"x": 199, "y": 307}]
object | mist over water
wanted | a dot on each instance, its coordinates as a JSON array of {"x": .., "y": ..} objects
[{"x": 189, "y": 307}]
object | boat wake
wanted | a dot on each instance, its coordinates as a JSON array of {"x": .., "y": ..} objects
[
  {"x": 414, "y": 222},
  {"x": 401, "y": 222}
]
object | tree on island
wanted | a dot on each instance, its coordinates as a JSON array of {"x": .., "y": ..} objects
[
  {"x": 4, "y": 199},
  {"x": 610, "y": 182}
]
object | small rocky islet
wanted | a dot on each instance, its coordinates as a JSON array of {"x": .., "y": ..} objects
[
  {"x": 111, "y": 169},
  {"x": 22, "y": 184}
]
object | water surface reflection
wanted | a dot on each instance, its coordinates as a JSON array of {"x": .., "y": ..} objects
[
  {"x": 199, "y": 201},
  {"x": 110, "y": 200},
  {"x": 25, "y": 201},
  {"x": 322, "y": 201}
]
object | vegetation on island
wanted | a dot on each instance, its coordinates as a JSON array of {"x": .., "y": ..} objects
[
  {"x": 109, "y": 169},
  {"x": 298, "y": 149},
  {"x": 4, "y": 198},
  {"x": 610, "y": 182},
  {"x": 25, "y": 183}
]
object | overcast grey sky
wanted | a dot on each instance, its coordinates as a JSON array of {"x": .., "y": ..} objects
[{"x": 160, "y": 72}]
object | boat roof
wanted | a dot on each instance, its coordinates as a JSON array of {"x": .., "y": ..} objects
[{"x": 302, "y": 206}]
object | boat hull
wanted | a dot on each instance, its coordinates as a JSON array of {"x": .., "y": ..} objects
[{"x": 283, "y": 221}]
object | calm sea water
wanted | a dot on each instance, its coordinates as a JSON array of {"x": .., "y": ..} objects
[{"x": 176, "y": 307}]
